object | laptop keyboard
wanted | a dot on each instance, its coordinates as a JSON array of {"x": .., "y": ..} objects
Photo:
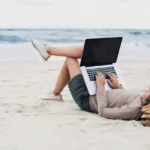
[{"x": 92, "y": 72}]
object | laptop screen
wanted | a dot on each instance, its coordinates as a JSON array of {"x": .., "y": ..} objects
[{"x": 101, "y": 51}]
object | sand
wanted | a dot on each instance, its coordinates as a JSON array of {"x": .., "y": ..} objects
[{"x": 28, "y": 123}]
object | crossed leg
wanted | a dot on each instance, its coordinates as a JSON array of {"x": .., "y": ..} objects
[
  {"x": 70, "y": 67},
  {"x": 69, "y": 70},
  {"x": 71, "y": 51}
]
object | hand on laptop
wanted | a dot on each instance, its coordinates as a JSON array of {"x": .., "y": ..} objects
[
  {"x": 113, "y": 81},
  {"x": 100, "y": 79}
]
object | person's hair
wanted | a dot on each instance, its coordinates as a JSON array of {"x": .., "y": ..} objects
[{"x": 147, "y": 101}]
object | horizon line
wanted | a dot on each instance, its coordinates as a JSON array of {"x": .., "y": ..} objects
[{"x": 42, "y": 28}]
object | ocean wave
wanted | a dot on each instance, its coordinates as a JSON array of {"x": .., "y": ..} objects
[
  {"x": 136, "y": 33},
  {"x": 64, "y": 40},
  {"x": 14, "y": 36},
  {"x": 11, "y": 39},
  {"x": 148, "y": 33},
  {"x": 17, "y": 39}
]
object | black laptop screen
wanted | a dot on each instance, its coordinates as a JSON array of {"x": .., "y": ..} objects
[{"x": 102, "y": 51}]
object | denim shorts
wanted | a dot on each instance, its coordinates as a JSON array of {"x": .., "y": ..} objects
[{"x": 79, "y": 92}]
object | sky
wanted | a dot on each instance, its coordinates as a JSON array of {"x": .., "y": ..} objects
[{"x": 74, "y": 13}]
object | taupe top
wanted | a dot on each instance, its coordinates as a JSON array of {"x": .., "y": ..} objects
[{"x": 116, "y": 103}]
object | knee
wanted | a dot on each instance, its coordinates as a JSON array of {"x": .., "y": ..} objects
[{"x": 70, "y": 60}]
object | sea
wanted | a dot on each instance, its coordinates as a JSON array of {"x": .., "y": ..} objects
[{"x": 15, "y": 44}]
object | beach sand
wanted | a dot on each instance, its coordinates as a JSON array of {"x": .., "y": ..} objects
[{"x": 28, "y": 123}]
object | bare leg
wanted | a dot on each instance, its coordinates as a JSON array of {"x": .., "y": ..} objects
[
  {"x": 72, "y": 51},
  {"x": 70, "y": 69}
]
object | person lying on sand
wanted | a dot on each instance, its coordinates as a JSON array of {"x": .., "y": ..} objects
[{"x": 117, "y": 103}]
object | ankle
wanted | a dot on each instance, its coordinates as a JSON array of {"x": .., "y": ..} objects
[
  {"x": 48, "y": 49},
  {"x": 56, "y": 93}
]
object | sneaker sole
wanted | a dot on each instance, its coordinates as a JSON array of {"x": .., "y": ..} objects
[{"x": 53, "y": 99}]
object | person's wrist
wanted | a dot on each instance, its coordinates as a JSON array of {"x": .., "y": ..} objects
[
  {"x": 118, "y": 86},
  {"x": 100, "y": 86}
]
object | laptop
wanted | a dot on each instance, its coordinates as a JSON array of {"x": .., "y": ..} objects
[{"x": 100, "y": 55}]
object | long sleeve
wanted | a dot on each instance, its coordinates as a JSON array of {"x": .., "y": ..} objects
[
  {"x": 126, "y": 112},
  {"x": 101, "y": 97}
]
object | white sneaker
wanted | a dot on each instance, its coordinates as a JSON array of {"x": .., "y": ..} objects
[
  {"x": 51, "y": 96},
  {"x": 41, "y": 48}
]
